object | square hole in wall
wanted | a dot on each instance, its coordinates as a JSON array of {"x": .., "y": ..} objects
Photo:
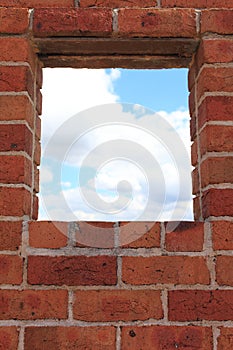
[{"x": 115, "y": 145}]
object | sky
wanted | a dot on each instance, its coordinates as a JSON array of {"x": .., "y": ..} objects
[{"x": 115, "y": 145}]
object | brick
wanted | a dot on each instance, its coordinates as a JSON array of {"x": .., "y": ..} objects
[
  {"x": 224, "y": 272},
  {"x": 37, "y": 152},
  {"x": 215, "y": 51},
  {"x": 225, "y": 340},
  {"x": 95, "y": 234},
  {"x": 222, "y": 234},
  {"x": 194, "y": 153},
  {"x": 193, "y": 126},
  {"x": 187, "y": 237},
  {"x": 140, "y": 234},
  {"x": 215, "y": 79},
  {"x": 197, "y": 209},
  {"x": 217, "y": 21},
  {"x": 162, "y": 337},
  {"x": 215, "y": 108},
  {"x": 164, "y": 269},
  {"x": 9, "y": 338},
  {"x": 47, "y": 234},
  {"x": 198, "y": 3},
  {"x": 117, "y": 3},
  {"x": 37, "y": 3},
  {"x": 216, "y": 171},
  {"x": 192, "y": 103},
  {"x": 38, "y": 127},
  {"x": 32, "y": 305},
  {"x": 16, "y": 79},
  {"x": 10, "y": 235},
  {"x": 195, "y": 181},
  {"x": 38, "y": 101},
  {"x": 198, "y": 305},
  {"x": 64, "y": 22},
  {"x": 16, "y": 108},
  {"x": 117, "y": 305},
  {"x": 15, "y": 170},
  {"x": 36, "y": 179},
  {"x": 72, "y": 338},
  {"x": 15, "y": 137},
  {"x": 14, "y": 21},
  {"x": 35, "y": 207},
  {"x": 72, "y": 270},
  {"x": 157, "y": 23},
  {"x": 11, "y": 269},
  {"x": 14, "y": 201},
  {"x": 17, "y": 50},
  {"x": 217, "y": 202},
  {"x": 216, "y": 138}
]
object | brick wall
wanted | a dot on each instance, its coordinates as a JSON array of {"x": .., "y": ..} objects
[{"x": 165, "y": 290}]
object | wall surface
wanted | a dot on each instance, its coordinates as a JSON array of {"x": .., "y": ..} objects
[{"x": 164, "y": 290}]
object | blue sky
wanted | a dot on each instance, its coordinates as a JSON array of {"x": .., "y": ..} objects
[{"x": 76, "y": 173}]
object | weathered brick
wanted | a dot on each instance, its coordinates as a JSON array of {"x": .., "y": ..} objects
[
  {"x": 214, "y": 50},
  {"x": 14, "y": 21},
  {"x": 157, "y": 23},
  {"x": 222, "y": 234},
  {"x": 95, "y": 234},
  {"x": 217, "y": 202},
  {"x": 139, "y": 234},
  {"x": 31, "y": 304},
  {"x": 11, "y": 269},
  {"x": 16, "y": 108},
  {"x": 72, "y": 270},
  {"x": 117, "y": 3},
  {"x": 9, "y": 338},
  {"x": 15, "y": 137},
  {"x": 16, "y": 79},
  {"x": 198, "y": 3},
  {"x": 15, "y": 170},
  {"x": 15, "y": 201},
  {"x": 225, "y": 340},
  {"x": 35, "y": 207},
  {"x": 72, "y": 338},
  {"x": 224, "y": 272},
  {"x": 197, "y": 305},
  {"x": 195, "y": 181},
  {"x": 47, "y": 234},
  {"x": 197, "y": 208},
  {"x": 10, "y": 235},
  {"x": 164, "y": 269},
  {"x": 217, "y": 21},
  {"x": 117, "y": 305},
  {"x": 188, "y": 236},
  {"x": 63, "y": 22},
  {"x": 216, "y": 138},
  {"x": 194, "y": 152},
  {"x": 216, "y": 171},
  {"x": 164, "y": 337},
  {"x": 37, "y": 3},
  {"x": 37, "y": 152}
]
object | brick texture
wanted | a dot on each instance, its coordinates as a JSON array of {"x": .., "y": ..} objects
[
  {"x": 10, "y": 235},
  {"x": 9, "y": 338},
  {"x": 51, "y": 235}
]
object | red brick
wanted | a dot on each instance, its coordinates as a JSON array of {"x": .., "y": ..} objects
[
  {"x": 48, "y": 234},
  {"x": 192, "y": 103},
  {"x": 38, "y": 127},
  {"x": 193, "y": 126},
  {"x": 64, "y": 22},
  {"x": 39, "y": 74},
  {"x": 15, "y": 137},
  {"x": 224, "y": 270},
  {"x": 194, "y": 153},
  {"x": 217, "y": 21},
  {"x": 164, "y": 269},
  {"x": 198, "y": 3},
  {"x": 37, "y": 3},
  {"x": 16, "y": 108},
  {"x": 192, "y": 74},
  {"x": 117, "y": 3},
  {"x": 140, "y": 234},
  {"x": 9, "y": 338},
  {"x": 188, "y": 236},
  {"x": 225, "y": 340},
  {"x": 215, "y": 79},
  {"x": 72, "y": 338},
  {"x": 198, "y": 305},
  {"x": 217, "y": 202},
  {"x": 36, "y": 179},
  {"x": 32, "y": 305},
  {"x": 72, "y": 270},
  {"x": 16, "y": 79},
  {"x": 14, "y": 201},
  {"x": 35, "y": 208},
  {"x": 37, "y": 152},
  {"x": 117, "y": 305},
  {"x": 17, "y": 49},
  {"x": 14, "y": 21},
  {"x": 215, "y": 108},
  {"x": 215, "y": 51},
  {"x": 95, "y": 234},
  {"x": 38, "y": 101},
  {"x": 10, "y": 235},
  {"x": 216, "y": 138},
  {"x": 216, "y": 171},
  {"x": 162, "y": 337},
  {"x": 222, "y": 233},
  {"x": 157, "y": 23},
  {"x": 197, "y": 208},
  {"x": 15, "y": 170},
  {"x": 11, "y": 269},
  {"x": 195, "y": 181}
]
